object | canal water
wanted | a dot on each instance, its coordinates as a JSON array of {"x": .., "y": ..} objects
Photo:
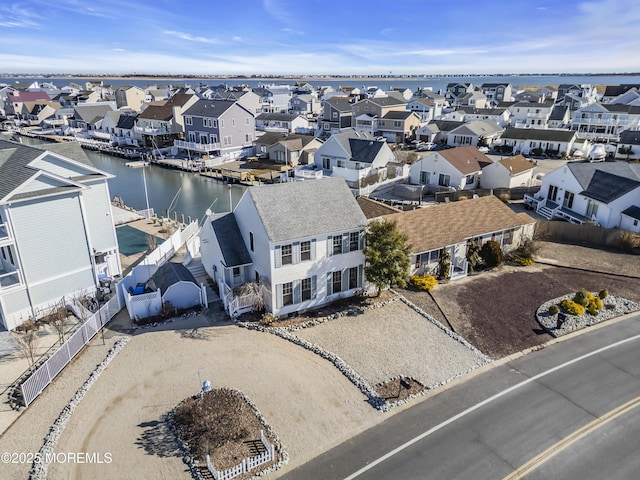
[{"x": 193, "y": 193}]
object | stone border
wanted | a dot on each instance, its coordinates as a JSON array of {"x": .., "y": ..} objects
[
  {"x": 372, "y": 396},
  {"x": 184, "y": 316},
  {"x": 193, "y": 464},
  {"x": 621, "y": 306},
  {"x": 40, "y": 464}
]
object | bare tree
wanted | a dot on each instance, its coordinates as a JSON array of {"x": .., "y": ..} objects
[
  {"x": 28, "y": 344},
  {"x": 254, "y": 293},
  {"x": 59, "y": 322}
]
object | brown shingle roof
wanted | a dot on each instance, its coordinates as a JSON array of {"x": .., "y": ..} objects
[
  {"x": 446, "y": 224},
  {"x": 465, "y": 159},
  {"x": 517, "y": 164},
  {"x": 374, "y": 209}
]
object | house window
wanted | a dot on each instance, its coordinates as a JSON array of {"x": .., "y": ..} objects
[
  {"x": 251, "y": 241},
  {"x": 305, "y": 250},
  {"x": 221, "y": 123},
  {"x": 287, "y": 255},
  {"x": 507, "y": 238},
  {"x": 287, "y": 293},
  {"x": 592, "y": 209},
  {"x": 336, "y": 282},
  {"x": 326, "y": 163},
  {"x": 353, "y": 278},
  {"x": 471, "y": 179},
  {"x": 214, "y": 123},
  {"x": 236, "y": 272},
  {"x": 188, "y": 120},
  {"x": 334, "y": 115},
  {"x": 248, "y": 137},
  {"x": 568, "y": 199},
  {"x": 341, "y": 163},
  {"x": 397, "y": 124},
  {"x": 337, "y": 244},
  {"x": 444, "y": 180},
  {"x": 247, "y": 121},
  {"x": 233, "y": 122},
  {"x": 305, "y": 286},
  {"x": 354, "y": 241},
  {"x": 553, "y": 192},
  {"x": 226, "y": 140},
  {"x": 425, "y": 177}
]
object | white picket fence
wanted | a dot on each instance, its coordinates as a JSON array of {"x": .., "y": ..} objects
[
  {"x": 44, "y": 375},
  {"x": 247, "y": 464}
]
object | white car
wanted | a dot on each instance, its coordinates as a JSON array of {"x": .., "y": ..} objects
[
  {"x": 483, "y": 149},
  {"x": 425, "y": 146}
]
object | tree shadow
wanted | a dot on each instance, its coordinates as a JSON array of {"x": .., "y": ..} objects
[{"x": 158, "y": 439}]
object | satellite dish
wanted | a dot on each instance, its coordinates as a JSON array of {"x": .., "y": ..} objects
[{"x": 208, "y": 212}]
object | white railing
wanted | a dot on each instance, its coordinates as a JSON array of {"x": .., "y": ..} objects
[
  {"x": 152, "y": 130},
  {"x": 10, "y": 279},
  {"x": 247, "y": 464},
  {"x": 198, "y": 147},
  {"x": 308, "y": 174},
  {"x": 4, "y": 232},
  {"x": 52, "y": 366}
]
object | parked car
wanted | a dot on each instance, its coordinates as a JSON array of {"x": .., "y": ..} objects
[
  {"x": 425, "y": 146},
  {"x": 483, "y": 149}
]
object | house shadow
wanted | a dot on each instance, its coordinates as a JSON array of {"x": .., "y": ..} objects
[{"x": 158, "y": 439}]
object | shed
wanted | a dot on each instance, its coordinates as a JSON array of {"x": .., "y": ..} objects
[{"x": 178, "y": 286}]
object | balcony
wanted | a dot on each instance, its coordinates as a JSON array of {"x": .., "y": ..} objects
[
  {"x": 9, "y": 276},
  {"x": 152, "y": 130},
  {"x": 4, "y": 234},
  {"x": 307, "y": 174},
  {"x": 197, "y": 147},
  {"x": 625, "y": 123}
]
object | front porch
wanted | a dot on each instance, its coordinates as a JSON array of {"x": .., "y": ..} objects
[{"x": 552, "y": 210}]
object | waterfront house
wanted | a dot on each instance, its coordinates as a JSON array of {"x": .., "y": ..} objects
[
  {"x": 452, "y": 227},
  {"x": 375, "y": 108},
  {"x": 305, "y": 104},
  {"x": 475, "y": 99},
  {"x": 509, "y": 172},
  {"x": 535, "y": 141},
  {"x": 35, "y": 113},
  {"x": 300, "y": 261},
  {"x": 287, "y": 148},
  {"x": 118, "y": 127},
  {"x": 453, "y": 169},
  {"x": 3, "y": 98},
  {"x": 282, "y": 122},
  {"x": 530, "y": 114},
  {"x": 476, "y": 133},
  {"x": 455, "y": 89},
  {"x": 576, "y": 96},
  {"x": 87, "y": 118},
  {"x": 274, "y": 98},
  {"x": 358, "y": 158},
  {"x": 163, "y": 123},
  {"x": 15, "y": 100},
  {"x": 560, "y": 117},
  {"x": 43, "y": 191},
  {"x": 246, "y": 97},
  {"x": 613, "y": 92},
  {"x": 220, "y": 128},
  {"x": 607, "y": 194}
]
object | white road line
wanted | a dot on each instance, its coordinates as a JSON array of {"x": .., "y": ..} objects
[{"x": 482, "y": 404}]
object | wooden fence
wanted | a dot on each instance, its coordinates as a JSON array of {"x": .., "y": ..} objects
[{"x": 515, "y": 193}]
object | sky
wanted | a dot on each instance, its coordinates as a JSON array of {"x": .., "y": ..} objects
[{"x": 317, "y": 37}]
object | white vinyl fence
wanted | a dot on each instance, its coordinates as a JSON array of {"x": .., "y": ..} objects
[
  {"x": 44, "y": 375},
  {"x": 247, "y": 464}
]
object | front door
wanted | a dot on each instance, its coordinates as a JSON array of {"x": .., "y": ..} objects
[{"x": 553, "y": 193}]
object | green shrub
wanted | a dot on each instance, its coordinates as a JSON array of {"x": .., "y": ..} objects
[
  {"x": 602, "y": 294},
  {"x": 554, "y": 310},
  {"x": 423, "y": 282},
  {"x": 596, "y": 303},
  {"x": 444, "y": 264},
  {"x": 583, "y": 297},
  {"x": 571, "y": 307},
  {"x": 473, "y": 256},
  {"x": 592, "y": 310},
  {"x": 491, "y": 254}
]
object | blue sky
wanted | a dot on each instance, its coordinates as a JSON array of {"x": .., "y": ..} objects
[{"x": 319, "y": 36}]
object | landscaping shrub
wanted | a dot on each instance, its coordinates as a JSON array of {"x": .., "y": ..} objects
[
  {"x": 473, "y": 256},
  {"x": 629, "y": 241},
  {"x": 596, "y": 303},
  {"x": 491, "y": 254},
  {"x": 524, "y": 261},
  {"x": 267, "y": 319},
  {"x": 602, "y": 294},
  {"x": 583, "y": 297},
  {"x": 444, "y": 264},
  {"x": 554, "y": 310},
  {"x": 423, "y": 282},
  {"x": 571, "y": 307},
  {"x": 592, "y": 310}
]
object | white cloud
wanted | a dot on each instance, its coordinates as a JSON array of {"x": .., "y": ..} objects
[
  {"x": 191, "y": 38},
  {"x": 15, "y": 16}
]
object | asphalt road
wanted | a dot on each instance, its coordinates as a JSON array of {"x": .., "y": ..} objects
[{"x": 569, "y": 411}]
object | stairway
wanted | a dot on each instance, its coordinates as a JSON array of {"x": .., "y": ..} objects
[
  {"x": 197, "y": 270},
  {"x": 547, "y": 209}
]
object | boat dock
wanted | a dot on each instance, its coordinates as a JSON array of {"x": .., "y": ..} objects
[
  {"x": 137, "y": 164},
  {"x": 247, "y": 172}
]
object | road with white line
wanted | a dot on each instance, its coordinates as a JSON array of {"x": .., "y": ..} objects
[{"x": 569, "y": 411}]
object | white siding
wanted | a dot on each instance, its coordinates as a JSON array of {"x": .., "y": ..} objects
[
  {"x": 50, "y": 237},
  {"x": 64, "y": 168},
  {"x": 48, "y": 293},
  {"x": 98, "y": 212}
]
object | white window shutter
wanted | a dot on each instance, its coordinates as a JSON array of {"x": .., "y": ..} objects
[
  {"x": 295, "y": 252},
  {"x": 329, "y": 246}
]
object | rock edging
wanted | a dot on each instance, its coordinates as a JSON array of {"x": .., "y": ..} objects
[
  {"x": 617, "y": 306},
  {"x": 40, "y": 465}
]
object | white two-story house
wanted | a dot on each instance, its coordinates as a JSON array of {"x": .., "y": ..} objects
[
  {"x": 456, "y": 168},
  {"x": 303, "y": 259},
  {"x": 57, "y": 236}
]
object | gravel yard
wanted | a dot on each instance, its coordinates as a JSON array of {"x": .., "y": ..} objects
[{"x": 394, "y": 340}]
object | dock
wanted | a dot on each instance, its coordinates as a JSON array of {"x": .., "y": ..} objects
[
  {"x": 137, "y": 164},
  {"x": 246, "y": 172}
]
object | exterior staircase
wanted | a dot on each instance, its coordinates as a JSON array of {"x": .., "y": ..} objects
[
  {"x": 197, "y": 270},
  {"x": 547, "y": 209}
]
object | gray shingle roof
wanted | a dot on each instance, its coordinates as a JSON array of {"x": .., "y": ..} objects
[
  {"x": 558, "y": 113},
  {"x": 364, "y": 151},
  {"x": 171, "y": 273},
  {"x": 546, "y": 134},
  {"x": 585, "y": 171},
  {"x": 91, "y": 113},
  {"x": 209, "y": 108},
  {"x": 234, "y": 251},
  {"x": 479, "y": 127},
  {"x": 342, "y": 104},
  {"x": 398, "y": 115},
  {"x": 630, "y": 137},
  {"x": 278, "y": 117},
  {"x": 306, "y": 209},
  {"x": 633, "y": 212},
  {"x": 606, "y": 187}
]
